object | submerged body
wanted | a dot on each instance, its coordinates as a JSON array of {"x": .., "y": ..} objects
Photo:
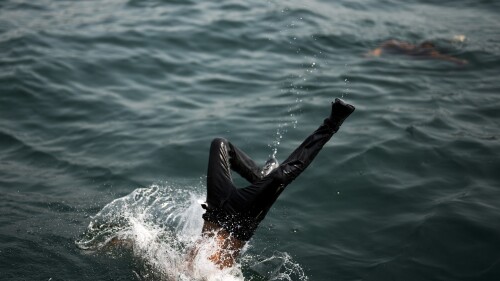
[
  {"x": 424, "y": 50},
  {"x": 233, "y": 214},
  {"x": 227, "y": 247}
]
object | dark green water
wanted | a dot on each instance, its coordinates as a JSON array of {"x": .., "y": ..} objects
[{"x": 101, "y": 98}]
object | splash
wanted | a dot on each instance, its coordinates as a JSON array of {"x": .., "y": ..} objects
[
  {"x": 460, "y": 38},
  {"x": 161, "y": 225},
  {"x": 291, "y": 120}
]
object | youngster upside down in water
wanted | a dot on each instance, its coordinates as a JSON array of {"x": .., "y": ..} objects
[
  {"x": 233, "y": 214},
  {"x": 423, "y": 50}
]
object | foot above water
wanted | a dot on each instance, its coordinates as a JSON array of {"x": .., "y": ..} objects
[{"x": 340, "y": 111}]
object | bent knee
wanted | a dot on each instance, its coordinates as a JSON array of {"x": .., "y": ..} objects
[{"x": 218, "y": 141}]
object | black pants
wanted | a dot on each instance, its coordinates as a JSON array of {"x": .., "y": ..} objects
[{"x": 240, "y": 210}]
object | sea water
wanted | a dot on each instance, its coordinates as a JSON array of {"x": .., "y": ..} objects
[{"x": 108, "y": 108}]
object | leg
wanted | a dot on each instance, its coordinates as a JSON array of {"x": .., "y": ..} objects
[
  {"x": 243, "y": 164},
  {"x": 257, "y": 199},
  {"x": 303, "y": 155},
  {"x": 223, "y": 158},
  {"x": 241, "y": 213},
  {"x": 219, "y": 180}
]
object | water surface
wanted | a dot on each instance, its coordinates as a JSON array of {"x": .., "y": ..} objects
[{"x": 104, "y": 100}]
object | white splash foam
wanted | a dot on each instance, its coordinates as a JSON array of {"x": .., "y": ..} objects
[{"x": 161, "y": 225}]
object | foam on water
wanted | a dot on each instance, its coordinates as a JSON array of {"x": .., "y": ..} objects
[{"x": 160, "y": 225}]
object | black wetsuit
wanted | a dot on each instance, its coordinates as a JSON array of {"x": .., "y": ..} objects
[{"x": 240, "y": 210}]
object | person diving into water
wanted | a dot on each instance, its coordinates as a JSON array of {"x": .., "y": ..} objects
[
  {"x": 425, "y": 50},
  {"x": 233, "y": 214}
]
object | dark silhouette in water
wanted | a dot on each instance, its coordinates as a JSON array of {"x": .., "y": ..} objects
[
  {"x": 426, "y": 50},
  {"x": 233, "y": 214}
]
